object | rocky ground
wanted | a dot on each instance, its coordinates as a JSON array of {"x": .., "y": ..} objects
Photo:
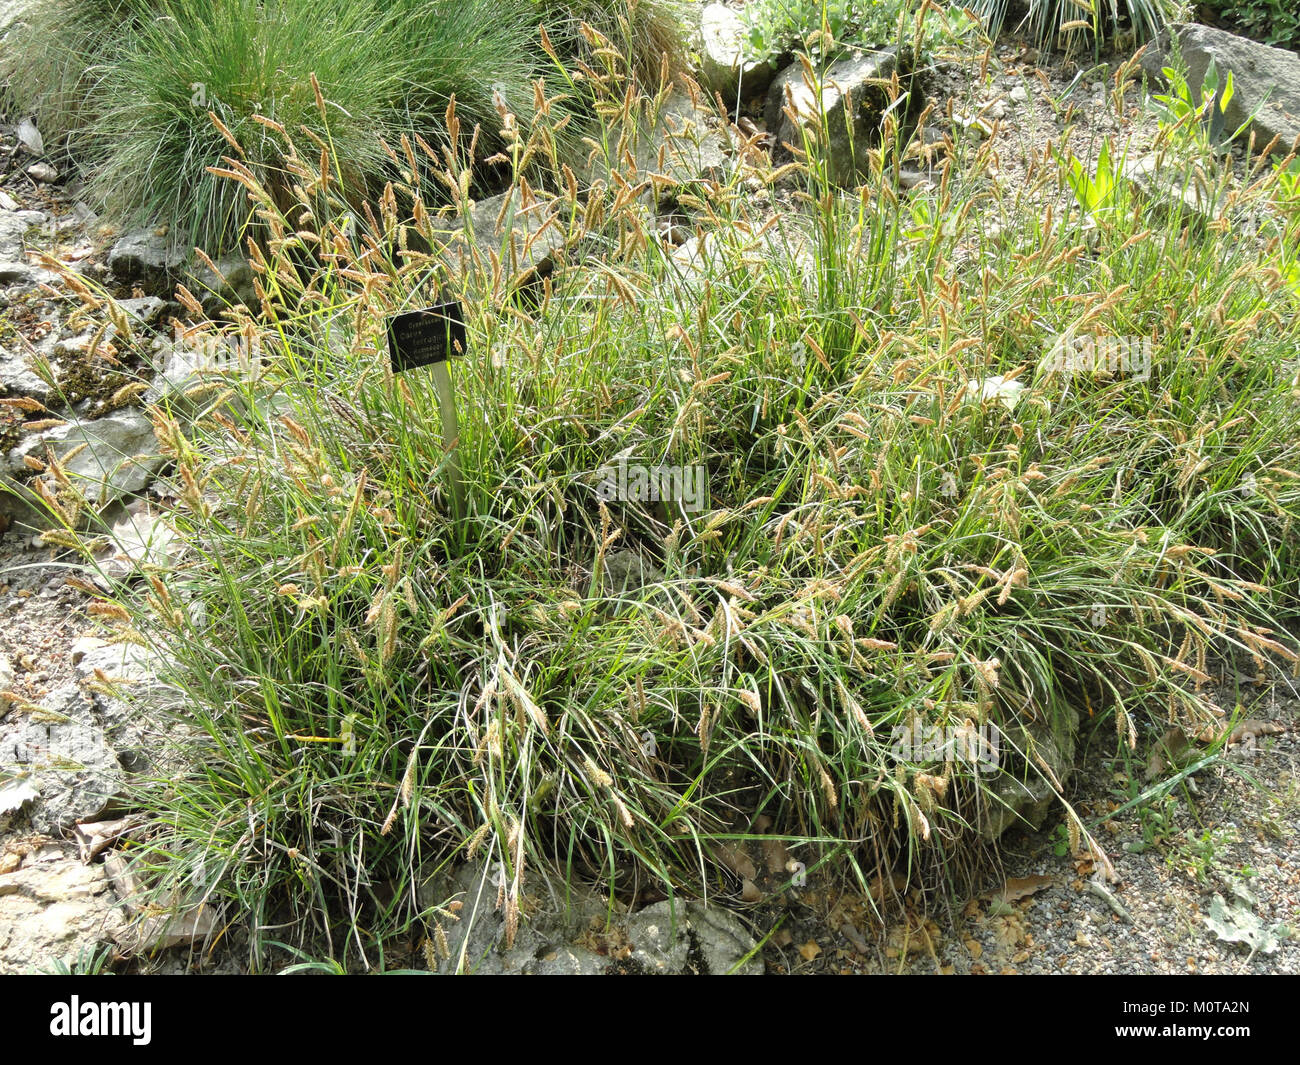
[
  {"x": 1224, "y": 839},
  {"x": 1208, "y": 874}
]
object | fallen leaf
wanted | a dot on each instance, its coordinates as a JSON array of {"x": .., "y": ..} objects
[
  {"x": 1237, "y": 924},
  {"x": 1252, "y": 729},
  {"x": 96, "y": 837},
  {"x": 880, "y": 888},
  {"x": 775, "y": 856},
  {"x": 1017, "y": 888},
  {"x": 1249, "y": 729},
  {"x": 851, "y": 933},
  {"x": 737, "y": 861},
  {"x": 1169, "y": 752},
  {"x": 809, "y": 950},
  {"x": 30, "y": 137}
]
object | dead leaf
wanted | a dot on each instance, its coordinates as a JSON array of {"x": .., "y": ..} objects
[
  {"x": 1249, "y": 729},
  {"x": 851, "y": 933},
  {"x": 809, "y": 950},
  {"x": 737, "y": 861},
  {"x": 1252, "y": 729},
  {"x": 880, "y": 889},
  {"x": 96, "y": 837},
  {"x": 1169, "y": 753},
  {"x": 749, "y": 891},
  {"x": 775, "y": 856},
  {"x": 1017, "y": 888}
]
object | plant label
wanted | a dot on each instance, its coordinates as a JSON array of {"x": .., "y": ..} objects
[{"x": 425, "y": 337}]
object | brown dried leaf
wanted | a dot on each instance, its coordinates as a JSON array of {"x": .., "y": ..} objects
[
  {"x": 1017, "y": 888},
  {"x": 1168, "y": 753},
  {"x": 775, "y": 856},
  {"x": 1251, "y": 728},
  {"x": 737, "y": 861}
]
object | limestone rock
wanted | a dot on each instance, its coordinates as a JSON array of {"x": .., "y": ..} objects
[
  {"x": 851, "y": 99},
  {"x": 723, "y": 64},
  {"x": 119, "y": 456},
  {"x": 1024, "y": 797},
  {"x": 155, "y": 263},
  {"x": 55, "y": 909},
  {"x": 63, "y": 750},
  {"x": 1266, "y": 80}
]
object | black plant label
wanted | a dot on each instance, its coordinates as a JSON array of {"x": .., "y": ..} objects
[{"x": 423, "y": 337}]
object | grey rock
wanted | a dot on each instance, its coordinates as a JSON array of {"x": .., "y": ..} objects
[
  {"x": 851, "y": 101},
  {"x": 568, "y": 961},
  {"x": 1018, "y": 95},
  {"x": 138, "y": 710},
  {"x": 15, "y": 273},
  {"x": 118, "y": 661},
  {"x": 43, "y": 172},
  {"x": 119, "y": 456},
  {"x": 685, "y": 142},
  {"x": 1026, "y": 797},
  {"x": 232, "y": 284},
  {"x": 529, "y": 237},
  {"x": 660, "y": 939},
  {"x": 665, "y": 938},
  {"x": 682, "y": 140},
  {"x": 63, "y": 750},
  {"x": 155, "y": 262},
  {"x": 723, "y": 64},
  {"x": 144, "y": 309},
  {"x": 725, "y": 946},
  {"x": 13, "y": 232},
  {"x": 542, "y": 945},
  {"x": 55, "y": 909},
  {"x": 784, "y": 248},
  {"x": 1266, "y": 80},
  {"x": 676, "y": 937},
  {"x": 18, "y": 379},
  {"x": 1174, "y": 190},
  {"x": 138, "y": 540},
  {"x": 21, "y": 509}
]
